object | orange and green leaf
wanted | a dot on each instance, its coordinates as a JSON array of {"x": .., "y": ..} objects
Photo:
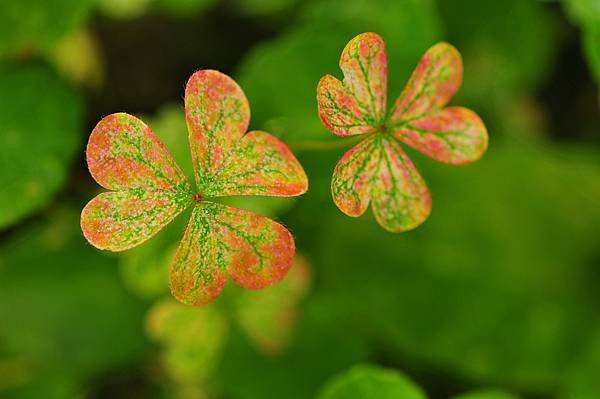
[
  {"x": 149, "y": 190},
  {"x": 260, "y": 164},
  {"x": 454, "y": 135},
  {"x": 358, "y": 104},
  {"x": 217, "y": 115},
  {"x": 434, "y": 82},
  {"x": 377, "y": 170},
  {"x": 220, "y": 240},
  {"x": 119, "y": 220},
  {"x": 124, "y": 155}
]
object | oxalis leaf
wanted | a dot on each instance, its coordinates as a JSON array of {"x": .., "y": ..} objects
[
  {"x": 148, "y": 190},
  {"x": 377, "y": 170}
]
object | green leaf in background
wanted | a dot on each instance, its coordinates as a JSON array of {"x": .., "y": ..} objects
[
  {"x": 582, "y": 377},
  {"x": 78, "y": 57},
  {"x": 265, "y": 7},
  {"x": 368, "y": 382},
  {"x": 66, "y": 319},
  {"x": 280, "y": 77},
  {"x": 35, "y": 25},
  {"x": 124, "y": 9},
  {"x": 508, "y": 47},
  {"x": 268, "y": 317},
  {"x": 40, "y": 131},
  {"x": 184, "y": 7},
  {"x": 586, "y": 13},
  {"x": 487, "y": 394},
  {"x": 193, "y": 339},
  {"x": 130, "y": 9}
]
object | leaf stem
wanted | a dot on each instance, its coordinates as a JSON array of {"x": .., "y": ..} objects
[{"x": 327, "y": 145}]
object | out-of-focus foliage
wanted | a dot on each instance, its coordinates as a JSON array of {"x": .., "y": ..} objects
[
  {"x": 129, "y": 9},
  {"x": 268, "y": 317},
  {"x": 586, "y": 13},
  {"x": 65, "y": 315},
  {"x": 366, "y": 382},
  {"x": 266, "y": 7},
  {"x": 280, "y": 77},
  {"x": 40, "y": 125},
  {"x": 78, "y": 58},
  {"x": 507, "y": 47},
  {"x": 36, "y": 25},
  {"x": 582, "y": 377},
  {"x": 193, "y": 340},
  {"x": 487, "y": 394}
]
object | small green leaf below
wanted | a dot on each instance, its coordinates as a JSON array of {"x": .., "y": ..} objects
[
  {"x": 368, "y": 382},
  {"x": 586, "y": 14},
  {"x": 487, "y": 394}
]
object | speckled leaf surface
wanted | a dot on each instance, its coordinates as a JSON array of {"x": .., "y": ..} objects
[
  {"x": 150, "y": 190},
  {"x": 454, "y": 135},
  {"x": 260, "y": 164},
  {"x": 377, "y": 170},
  {"x": 120, "y": 220},
  {"x": 220, "y": 240},
  {"x": 433, "y": 83},
  {"x": 217, "y": 115},
  {"x": 124, "y": 155},
  {"x": 358, "y": 104}
]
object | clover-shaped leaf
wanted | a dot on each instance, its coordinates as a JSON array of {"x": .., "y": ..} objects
[
  {"x": 377, "y": 170},
  {"x": 149, "y": 190}
]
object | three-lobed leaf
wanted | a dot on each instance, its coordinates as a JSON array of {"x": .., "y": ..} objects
[
  {"x": 149, "y": 190},
  {"x": 377, "y": 171}
]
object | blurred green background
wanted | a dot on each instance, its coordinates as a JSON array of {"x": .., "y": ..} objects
[{"x": 496, "y": 294}]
